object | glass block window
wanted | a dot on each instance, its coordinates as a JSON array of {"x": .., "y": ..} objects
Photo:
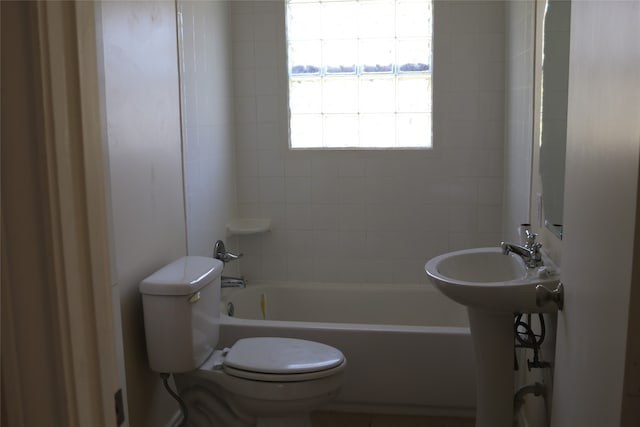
[{"x": 359, "y": 73}]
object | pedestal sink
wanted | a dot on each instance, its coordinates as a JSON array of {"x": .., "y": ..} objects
[{"x": 493, "y": 286}]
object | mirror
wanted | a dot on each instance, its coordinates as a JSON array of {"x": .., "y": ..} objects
[{"x": 553, "y": 111}]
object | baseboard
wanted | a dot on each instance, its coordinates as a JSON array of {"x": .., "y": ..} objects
[{"x": 429, "y": 411}]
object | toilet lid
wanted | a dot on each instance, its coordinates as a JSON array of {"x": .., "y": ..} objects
[{"x": 281, "y": 356}]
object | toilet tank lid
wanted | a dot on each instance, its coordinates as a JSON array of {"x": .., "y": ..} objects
[{"x": 183, "y": 276}]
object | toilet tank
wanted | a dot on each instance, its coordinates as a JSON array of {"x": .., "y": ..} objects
[{"x": 181, "y": 304}]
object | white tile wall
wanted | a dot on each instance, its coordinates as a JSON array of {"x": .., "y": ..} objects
[{"x": 361, "y": 216}]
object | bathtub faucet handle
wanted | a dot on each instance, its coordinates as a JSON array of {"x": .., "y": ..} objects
[{"x": 220, "y": 252}]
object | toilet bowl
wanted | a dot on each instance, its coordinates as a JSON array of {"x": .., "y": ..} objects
[
  {"x": 262, "y": 381},
  {"x": 297, "y": 377}
]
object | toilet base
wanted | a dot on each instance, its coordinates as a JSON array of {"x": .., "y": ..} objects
[{"x": 208, "y": 404}]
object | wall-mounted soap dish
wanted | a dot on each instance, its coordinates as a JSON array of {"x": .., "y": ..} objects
[{"x": 240, "y": 226}]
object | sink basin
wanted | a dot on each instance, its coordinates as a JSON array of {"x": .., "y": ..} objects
[
  {"x": 493, "y": 286},
  {"x": 484, "y": 278}
]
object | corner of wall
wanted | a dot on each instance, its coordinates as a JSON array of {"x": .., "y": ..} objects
[{"x": 145, "y": 175}]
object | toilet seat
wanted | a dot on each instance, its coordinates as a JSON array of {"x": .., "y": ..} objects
[{"x": 281, "y": 359}]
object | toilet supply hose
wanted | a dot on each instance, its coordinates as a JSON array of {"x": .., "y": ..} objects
[{"x": 183, "y": 406}]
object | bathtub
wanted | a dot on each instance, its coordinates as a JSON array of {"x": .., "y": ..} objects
[{"x": 408, "y": 347}]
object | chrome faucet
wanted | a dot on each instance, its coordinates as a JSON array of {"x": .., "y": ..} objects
[
  {"x": 530, "y": 252},
  {"x": 220, "y": 252}
]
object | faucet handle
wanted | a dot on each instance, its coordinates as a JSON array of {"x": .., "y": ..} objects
[
  {"x": 530, "y": 242},
  {"x": 228, "y": 257},
  {"x": 220, "y": 252}
]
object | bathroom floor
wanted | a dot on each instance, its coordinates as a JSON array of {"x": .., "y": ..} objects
[{"x": 345, "y": 419}]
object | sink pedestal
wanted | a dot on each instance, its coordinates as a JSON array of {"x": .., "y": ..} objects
[
  {"x": 492, "y": 336},
  {"x": 492, "y": 286}
]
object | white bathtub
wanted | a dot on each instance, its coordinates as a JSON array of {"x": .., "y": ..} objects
[{"x": 408, "y": 347}]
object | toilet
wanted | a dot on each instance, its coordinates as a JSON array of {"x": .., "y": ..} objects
[{"x": 261, "y": 381}]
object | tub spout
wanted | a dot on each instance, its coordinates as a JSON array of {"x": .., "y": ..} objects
[{"x": 232, "y": 282}]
